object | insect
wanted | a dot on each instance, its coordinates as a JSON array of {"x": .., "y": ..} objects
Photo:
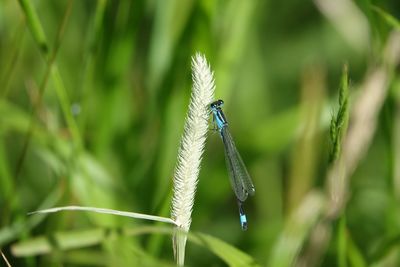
[{"x": 239, "y": 177}]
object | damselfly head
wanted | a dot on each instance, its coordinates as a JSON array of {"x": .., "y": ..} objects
[{"x": 216, "y": 104}]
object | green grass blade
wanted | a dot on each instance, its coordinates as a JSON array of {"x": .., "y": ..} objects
[
  {"x": 229, "y": 254},
  {"x": 342, "y": 242},
  {"x": 387, "y": 17},
  {"x": 35, "y": 25},
  {"x": 296, "y": 230},
  {"x": 15, "y": 53},
  {"x": 356, "y": 259}
]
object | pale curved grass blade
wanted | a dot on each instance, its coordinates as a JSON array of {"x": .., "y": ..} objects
[{"x": 107, "y": 211}]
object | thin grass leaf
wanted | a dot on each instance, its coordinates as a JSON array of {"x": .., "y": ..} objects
[
  {"x": 356, "y": 259},
  {"x": 15, "y": 54},
  {"x": 387, "y": 17},
  {"x": 342, "y": 242},
  {"x": 229, "y": 254},
  {"x": 107, "y": 211},
  {"x": 34, "y": 25},
  {"x": 5, "y": 259}
]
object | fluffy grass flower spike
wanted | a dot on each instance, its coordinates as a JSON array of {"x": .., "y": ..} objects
[{"x": 190, "y": 152}]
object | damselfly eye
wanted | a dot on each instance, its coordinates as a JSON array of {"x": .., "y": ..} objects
[{"x": 217, "y": 104}]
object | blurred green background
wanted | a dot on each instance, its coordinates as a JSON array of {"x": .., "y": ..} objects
[{"x": 93, "y": 100}]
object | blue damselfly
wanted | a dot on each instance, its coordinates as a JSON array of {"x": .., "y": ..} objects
[{"x": 239, "y": 177}]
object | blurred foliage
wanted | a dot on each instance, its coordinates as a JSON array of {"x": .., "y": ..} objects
[{"x": 93, "y": 96}]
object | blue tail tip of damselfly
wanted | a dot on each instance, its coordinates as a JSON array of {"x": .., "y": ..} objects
[{"x": 243, "y": 222}]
